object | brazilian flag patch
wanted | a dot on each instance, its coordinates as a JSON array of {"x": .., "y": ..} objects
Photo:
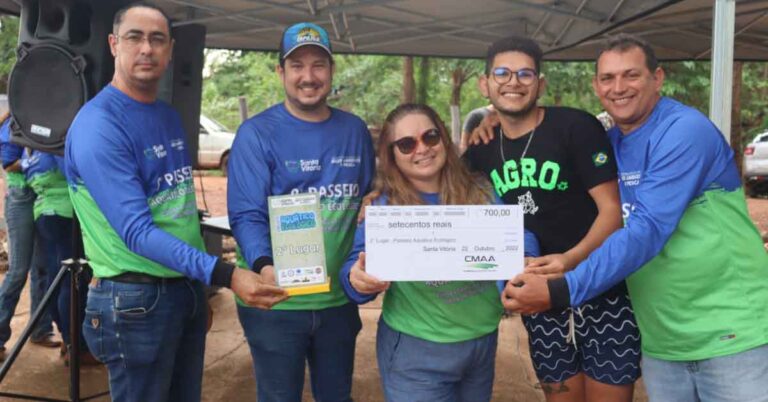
[{"x": 599, "y": 159}]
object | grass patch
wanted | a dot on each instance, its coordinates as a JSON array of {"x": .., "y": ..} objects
[{"x": 209, "y": 173}]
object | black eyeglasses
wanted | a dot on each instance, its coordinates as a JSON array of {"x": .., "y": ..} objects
[
  {"x": 407, "y": 145},
  {"x": 525, "y": 76}
]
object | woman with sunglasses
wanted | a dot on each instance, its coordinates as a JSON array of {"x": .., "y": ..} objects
[{"x": 436, "y": 341}]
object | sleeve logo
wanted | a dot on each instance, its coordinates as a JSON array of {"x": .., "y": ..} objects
[{"x": 599, "y": 159}]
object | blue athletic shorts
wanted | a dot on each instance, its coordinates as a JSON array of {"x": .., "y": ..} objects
[{"x": 606, "y": 346}]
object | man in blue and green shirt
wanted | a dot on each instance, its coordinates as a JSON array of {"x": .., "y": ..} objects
[
  {"x": 301, "y": 146},
  {"x": 131, "y": 184},
  {"x": 24, "y": 254},
  {"x": 695, "y": 264},
  {"x": 52, "y": 213}
]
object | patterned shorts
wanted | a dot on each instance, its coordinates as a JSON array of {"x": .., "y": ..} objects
[{"x": 606, "y": 345}]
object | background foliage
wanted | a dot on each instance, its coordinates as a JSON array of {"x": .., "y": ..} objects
[
  {"x": 370, "y": 86},
  {"x": 9, "y": 32}
]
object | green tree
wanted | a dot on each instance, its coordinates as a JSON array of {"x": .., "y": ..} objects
[
  {"x": 9, "y": 38},
  {"x": 570, "y": 84},
  {"x": 232, "y": 74},
  {"x": 440, "y": 88},
  {"x": 368, "y": 86},
  {"x": 688, "y": 82},
  {"x": 754, "y": 99}
]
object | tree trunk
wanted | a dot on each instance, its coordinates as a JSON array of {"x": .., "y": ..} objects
[
  {"x": 408, "y": 81},
  {"x": 458, "y": 77},
  {"x": 243, "y": 103},
  {"x": 736, "y": 142},
  {"x": 456, "y": 125},
  {"x": 457, "y": 80},
  {"x": 423, "y": 83}
]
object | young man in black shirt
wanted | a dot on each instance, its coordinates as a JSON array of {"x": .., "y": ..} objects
[{"x": 558, "y": 165}]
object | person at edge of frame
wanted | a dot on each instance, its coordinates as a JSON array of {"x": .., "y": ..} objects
[
  {"x": 53, "y": 212},
  {"x": 24, "y": 253},
  {"x": 130, "y": 181},
  {"x": 301, "y": 145},
  {"x": 471, "y": 121},
  {"x": 436, "y": 341},
  {"x": 557, "y": 163},
  {"x": 694, "y": 261}
]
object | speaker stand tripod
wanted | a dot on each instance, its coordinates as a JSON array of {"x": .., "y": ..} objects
[{"x": 75, "y": 267}]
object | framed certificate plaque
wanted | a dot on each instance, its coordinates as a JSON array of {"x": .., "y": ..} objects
[{"x": 298, "y": 250}]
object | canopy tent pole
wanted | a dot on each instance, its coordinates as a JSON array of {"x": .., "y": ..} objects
[{"x": 721, "y": 87}]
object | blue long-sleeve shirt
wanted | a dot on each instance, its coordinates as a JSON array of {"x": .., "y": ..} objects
[
  {"x": 275, "y": 153},
  {"x": 695, "y": 264},
  {"x": 665, "y": 164},
  {"x": 130, "y": 178},
  {"x": 9, "y": 152}
]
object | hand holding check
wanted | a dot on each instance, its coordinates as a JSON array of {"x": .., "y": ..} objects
[
  {"x": 362, "y": 282},
  {"x": 526, "y": 294}
]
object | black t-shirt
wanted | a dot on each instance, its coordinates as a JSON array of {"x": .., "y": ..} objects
[{"x": 568, "y": 155}]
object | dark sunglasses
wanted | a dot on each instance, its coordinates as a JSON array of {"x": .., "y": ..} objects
[
  {"x": 407, "y": 145},
  {"x": 503, "y": 75}
]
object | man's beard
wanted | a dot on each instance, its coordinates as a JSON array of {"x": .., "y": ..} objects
[
  {"x": 309, "y": 107},
  {"x": 525, "y": 111},
  {"x": 313, "y": 106}
]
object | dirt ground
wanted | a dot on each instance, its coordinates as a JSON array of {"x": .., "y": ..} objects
[{"x": 228, "y": 374}]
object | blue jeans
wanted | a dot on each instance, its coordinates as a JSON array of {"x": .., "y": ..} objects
[
  {"x": 417, "y": 370},
  {"x": 151, "y": 337},
  {"x": 25, "y": 257},
  {"x": 281, "y": 341},
  {"x": 740, "y": 377},
  {"x": 55, "y": 238}
]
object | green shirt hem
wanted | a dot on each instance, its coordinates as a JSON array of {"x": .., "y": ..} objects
[{"x": 703, "y": 355}]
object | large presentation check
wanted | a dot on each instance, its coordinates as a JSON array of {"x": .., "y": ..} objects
[{"x": 444, "y": 243}]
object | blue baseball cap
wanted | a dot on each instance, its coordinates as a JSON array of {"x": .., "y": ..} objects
[{"x": 303, "y": 34}]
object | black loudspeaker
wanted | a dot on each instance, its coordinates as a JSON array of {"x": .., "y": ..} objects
[
  {"x": 63, "y": 60},
  {"x": 182, "y": 84}
]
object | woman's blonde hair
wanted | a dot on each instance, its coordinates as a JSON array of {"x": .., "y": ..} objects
[{"x": 457, "y": 185}]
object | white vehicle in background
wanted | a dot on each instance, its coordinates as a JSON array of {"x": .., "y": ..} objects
[
  {"x": 756, "y": 165},
  {"x": 214, "y": 143}
]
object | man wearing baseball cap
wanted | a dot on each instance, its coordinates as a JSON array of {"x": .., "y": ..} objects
[{"x": 301, "y": 146}]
